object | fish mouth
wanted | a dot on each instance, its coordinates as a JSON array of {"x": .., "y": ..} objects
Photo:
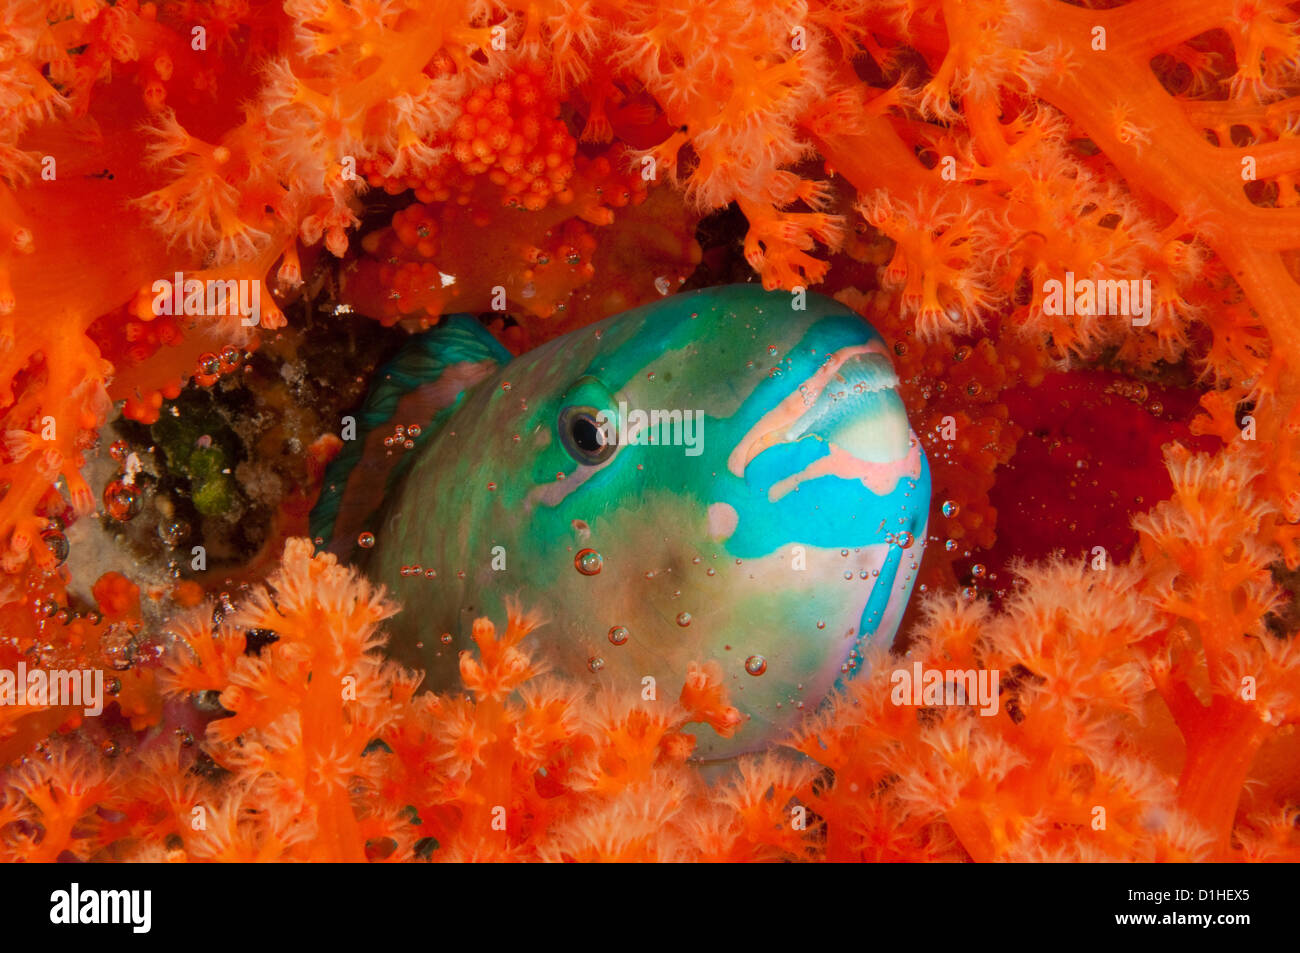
[{"x": 851, "y": 404}]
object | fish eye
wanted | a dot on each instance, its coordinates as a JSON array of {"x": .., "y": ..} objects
[{"x": 583, "y": 436}]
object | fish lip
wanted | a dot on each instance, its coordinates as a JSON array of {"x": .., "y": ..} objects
[{"x": 791, "y": 420}]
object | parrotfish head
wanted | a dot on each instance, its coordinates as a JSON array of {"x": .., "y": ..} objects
[{"x": 717, "y": 477}]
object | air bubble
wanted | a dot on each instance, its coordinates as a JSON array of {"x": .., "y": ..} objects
[
  {"x": 173, "y": 531},
  {"x": 57, "y": 544},
  {"x": 121, "y": 501}
]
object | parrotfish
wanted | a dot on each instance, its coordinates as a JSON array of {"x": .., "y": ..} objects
[{"x": 722, "y": 476}]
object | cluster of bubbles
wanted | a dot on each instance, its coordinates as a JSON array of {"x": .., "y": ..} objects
[
  {"x": 212, "y": 366},
  {"x": 225, "y": 605},
  {"x": 589, "y": 562},
  {"x": 122, "y": 644},
  {"x": 123, "y": 498},
  {"x": 403, "y": 437},
  {"x": 417, "y": 570},
  {"x": 66, "y": 615},
  {"x": 1137, "y": 392},
  {"x": 862, "y": 574}
]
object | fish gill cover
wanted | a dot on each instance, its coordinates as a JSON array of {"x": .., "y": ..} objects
[{"x": 577, "y": 430}]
